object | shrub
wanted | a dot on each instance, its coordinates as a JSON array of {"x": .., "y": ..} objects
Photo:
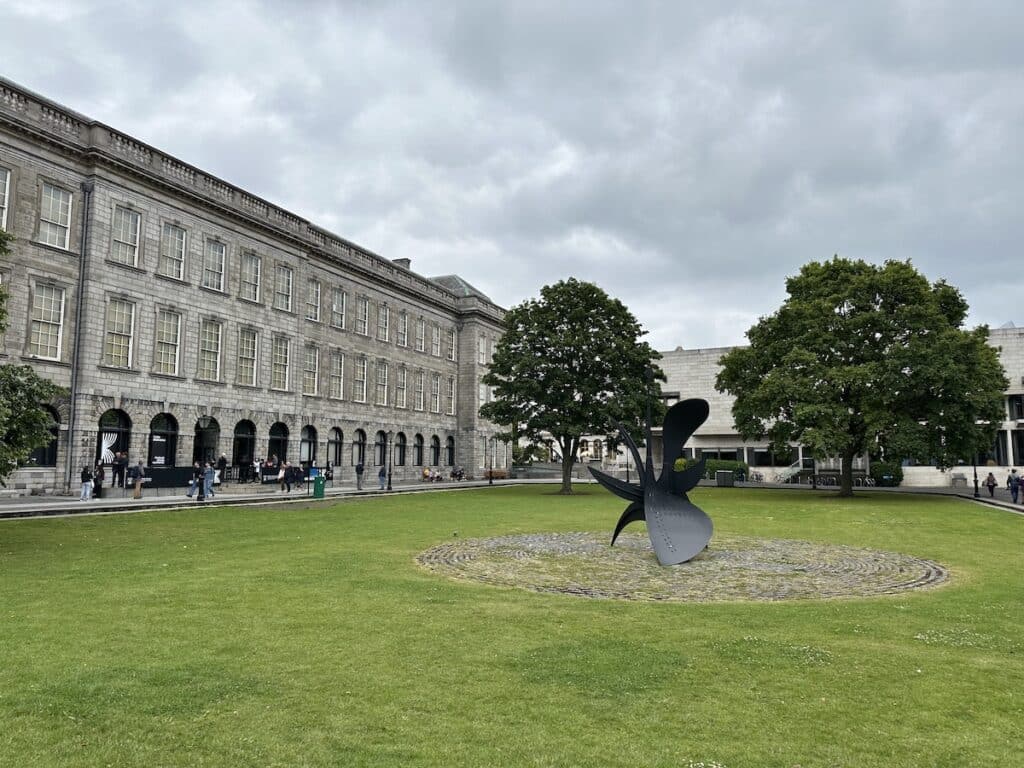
[
  {"x": 886, "y": 473},
  {"x": 738, "y": 468}
]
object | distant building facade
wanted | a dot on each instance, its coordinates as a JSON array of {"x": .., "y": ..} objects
[{"x": 187, "y": 318}]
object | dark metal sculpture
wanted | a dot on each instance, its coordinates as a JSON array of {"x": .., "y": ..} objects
[{"x": 679, "y": 530}]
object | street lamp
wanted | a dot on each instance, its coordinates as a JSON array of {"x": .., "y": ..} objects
[
  {"x": 490, "y": 473},
  {"x": 974, "y": 460},
  {"x": 389, "y": 445}
]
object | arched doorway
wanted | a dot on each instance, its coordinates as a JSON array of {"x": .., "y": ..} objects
[
  {"x": 417, "y": 451},
  {"x": 307, "y": 445},
  {"x": 359, "y": 448},
  {"x": 380, "y": 449},
  {"x": 46, "y": 455},
  {"x": 204, "y": 446},
  {"x": 400, "y": 446},
  {"x": 335, "y": 441},
  {"x": 449, "y": 451},
  {"x": 277, "y": 445},
  {"x": 114, "y": 436},
  {"x": 435, "y": 450},
  {"x": 243, "y": 447},
  {"x": 163, "y": 440}
]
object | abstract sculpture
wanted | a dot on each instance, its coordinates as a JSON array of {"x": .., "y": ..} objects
[{"x": 678, "y": 530}]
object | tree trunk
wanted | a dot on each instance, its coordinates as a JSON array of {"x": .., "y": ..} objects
[
  {"x": 568, "y": 459},
  {"x": 846, "y": 475}
]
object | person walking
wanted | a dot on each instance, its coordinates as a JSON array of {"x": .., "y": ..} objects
[
  {"x": 208, "y": 478},
  {"x": 197, "y": 478},
  {"x": 285, "y": 476},
  {"x": 137, "y": 474},
  {"x": 990, "y": 483},
  {"x": 382, "y": 476},
  {"x": 222, "y": 467},
  {"x": 1013, "y": 483},
  {"x": 98, "y": 476},
  {"x": 86, "y": 484},
  {"x": 359, "y": 475}
]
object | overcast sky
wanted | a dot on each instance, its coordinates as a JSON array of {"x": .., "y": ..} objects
[{"x": 686, "y": 157}]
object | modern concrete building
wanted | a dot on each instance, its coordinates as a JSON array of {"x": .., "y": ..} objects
[{"x": 187, "y": 318}]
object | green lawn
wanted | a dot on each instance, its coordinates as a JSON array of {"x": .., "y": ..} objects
[{"x": 308, "y": 636}]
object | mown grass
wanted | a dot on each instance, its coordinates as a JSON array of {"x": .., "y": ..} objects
[{"x": 309, "y": 637}]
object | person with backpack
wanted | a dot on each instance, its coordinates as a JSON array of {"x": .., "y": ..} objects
[
  {"x": 1013, "y": 483},
  {"x": 990, "y": 483},
  {"x": 86, "y": 485},
  {"x": 359, "y": 475}
]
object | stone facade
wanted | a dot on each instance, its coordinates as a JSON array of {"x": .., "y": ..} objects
[{"x": 176, "y": 306}]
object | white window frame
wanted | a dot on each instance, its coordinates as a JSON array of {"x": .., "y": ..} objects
[
  {"x": 313, "y": 300},
  {"x": 336, "y": 386},
  {"x": 167, "y": 349},
  {"x": 50, "y": 229},
  {"x": 450, "y": 396},
  {"x": 110, "y": 333},
  {"x": 402, "y": 334},
  {"x": 421, "y": 335},
  {"x": 359, "y": 380},
  {"x": 419, "y": 401},
  {"x": 382, "y": 383},
  {"x": 383, "y": 323},
  {"x": 362, "y": 316},
  {"x": 435, "y": 393},
  {"x": 401, "y": 385},
  {"x": 168, "y": 234},
  {"x": 250, "y": 279},
  {"x": 311, "y": 370},
  {"x": 210, "y": 349},
  {"x": 435, "y": 340},
  {"x": 453, "y": 344},
  {"x": 280, "y": 364},
  {"x": 124, "y": 242},
  {"x": 215, "y": 262},
  {"x": 245, "y": 360},
  {"x": 283, "y": 294},
  {"x": 42, "y": 319},
  {"x": 338, "y": 312},
  {"x": 5, "y": 195},
  {"x": 481, "y": 350}
]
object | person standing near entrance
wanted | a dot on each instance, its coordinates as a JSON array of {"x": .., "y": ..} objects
[
  {"x": 222, "y": 467},
  {"x": 382, "y": 475},
  {"x": 86, "y": 485},
  {"x": 208, "y": 476},
  {"x": 359, "y": 475},
  {"x": 137, "y": 474},
  {"x": 98, "y": 477}
]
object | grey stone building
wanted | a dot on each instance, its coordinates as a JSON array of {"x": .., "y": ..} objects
[{"x": 187, "y": 318}]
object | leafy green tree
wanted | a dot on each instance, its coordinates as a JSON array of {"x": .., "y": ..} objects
[
  {"x": 569, "y": 364},
  {"x": 24, "y": 425},
  {"x": 863, "y": 358}
]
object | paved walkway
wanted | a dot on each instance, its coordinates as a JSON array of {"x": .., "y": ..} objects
[{"x": 118, "y": 501}]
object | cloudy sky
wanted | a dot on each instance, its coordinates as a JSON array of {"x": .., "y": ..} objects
[{"x": 686, "y": 157}]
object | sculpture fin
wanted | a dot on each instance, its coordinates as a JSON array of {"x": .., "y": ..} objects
[
  {"x": 620, "y": 488},
  {"x": 634, "y": 513}
]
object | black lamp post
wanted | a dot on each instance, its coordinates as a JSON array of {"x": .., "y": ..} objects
[
  {"x": 490, "y": 473},
  {"x": 203, "y": 424},
  {"x": 974, "y": 459},
  {"x": 390, "y": 446}
]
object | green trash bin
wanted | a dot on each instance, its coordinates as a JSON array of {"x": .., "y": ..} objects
[{"x": 318, "y": 487}]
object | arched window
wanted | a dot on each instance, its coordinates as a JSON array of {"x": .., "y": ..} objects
[
  {"x": 449, "y": 451},
  {"x": 335, "y": 440},
  {"x": 584, "y": 447},
  {"x": 359, "y": 448},
  {"x": 307, "y": 445},
  {"x": 207, "y": 437},
  {"x": 400, "y": 446},
  {"x": 277, "y": 445},
  {"x": 163, "y": 440},
  {"x": 114, "y": 435},
  {"x": 417, "y": 450},
  {"x": 243, "y": 449},
  {"x": 380, "y": 449},
  {"x": 435, "y": 450},
  {"x": 46, "y": 455}
]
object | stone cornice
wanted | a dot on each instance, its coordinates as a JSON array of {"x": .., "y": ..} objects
[{"x": 96, "y": 144}]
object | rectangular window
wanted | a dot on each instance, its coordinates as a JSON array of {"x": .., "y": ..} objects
[
  {"x": 168, "y": 342},
  {"x": 337, "y": 385},
  {"x": 124, "y": 240},
  {"x": 172, "y": 252},
  {"x": 481, "y": 350},
  {"x": 213, "y": 265},
  {"x": 359, "y": 381},
  {"x": 435, "y": 341},
  {"x": 313, "y": 300},
  {"x": 47, "y": 322},
  {"x": 117, "y": 346},
  {"x": 403, "y": 330},
  {"x": 382, "y": 383},
  {"x": 5, "y": 193},
  {"x": 247, "y": 346},
  {"x": 400, "y": 387},
  {"x": 453, "y": 343},
  {"x": 383, "y": 323},
  {"x": 435, "y": 393},
  {"x": 362, "y": 315},
  {"x": 421, "y": 335},
  {"x": 339, "y": 307},
  {"x": 449, "y": 397},
  {"x": 311, "y": 371},
  {"x": 279, "y": 363},
  {"x": 209, "y": 350},
  {"x": 55, "y": 217},
  {"x": 418, "y": 391},
  {"x": 482, "y": 393},
  {"x": 251, "y": 271},
  {"x": 283, "y": 288}
]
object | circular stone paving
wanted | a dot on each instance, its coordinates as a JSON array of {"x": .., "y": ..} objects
[{"x": 731, "y": 568}]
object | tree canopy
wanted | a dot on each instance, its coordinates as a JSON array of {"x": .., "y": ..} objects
[
  {"x": 569, "y": 364},
  {"x": 864, "y": 358},
  {"x": 24, "y": 425}
]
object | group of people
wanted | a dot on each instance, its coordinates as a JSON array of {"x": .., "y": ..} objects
[
  {"x": 92, "y": 479},
  {"x": 203, "y": 477}
]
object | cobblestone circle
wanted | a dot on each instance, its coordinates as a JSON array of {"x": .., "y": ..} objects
[{"x": 731, "y": 568}]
